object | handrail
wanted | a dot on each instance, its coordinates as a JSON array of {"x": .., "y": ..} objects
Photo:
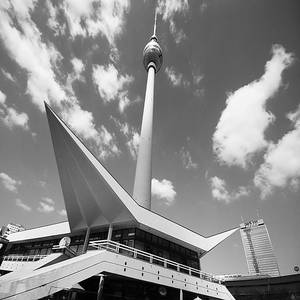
[
  {"x": 136, "y": 253},
  {"x": 23, "y": 258}
]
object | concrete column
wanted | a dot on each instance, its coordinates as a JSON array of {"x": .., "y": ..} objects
[
  {"x": 86, "y": 240},
  {"x": 110, "y": 230},
  {"x": 181, "y": 295},
  {"x": 143, "y": 173},
  {"x": 100, "y": 287}
]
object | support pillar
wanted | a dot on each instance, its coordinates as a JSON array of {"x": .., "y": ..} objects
[
  {"x": 100, "y": 288},
  {"x": 86, "y": 240},
  {"x": 181, "y": 295},
  {"x": 110, "y": 230}
]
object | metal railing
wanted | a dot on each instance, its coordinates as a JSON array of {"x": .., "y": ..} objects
[
  {"x": 23, "y": 258},
  {"x": 151, "y": 258}
]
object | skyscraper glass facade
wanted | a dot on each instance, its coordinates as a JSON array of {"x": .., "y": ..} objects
[{"x": 258, "y": 248}]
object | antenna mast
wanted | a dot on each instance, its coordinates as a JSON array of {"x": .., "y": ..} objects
[{"x": 155, "y": 20}]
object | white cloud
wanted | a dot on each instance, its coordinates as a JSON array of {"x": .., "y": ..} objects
[
  {"x": 43, "y": 183},
  {"x": 10, "y": 117},
  {"x": 240, "y": 130},
  {"x": 124, "y": 102},
  {"x": 163, "y": 190},
  {"x": 91, "y": 17},
  {"x": 24, "y": 206},
  {"x": 28, "y": 50},
  {"x": 10, "y": 183},
  {"x": 8, "y": 75},
  {"x": 48, "y": 200},
  {"x": 186, "y": 159},
  {"x": 281, "y": 166},
  {"x": 45, "y": 207},
  {"x": 203, "y": 6},
  {"x": 168, "y": 9},
  {"x": 78, "y": 66},
  {"x": 102, "y": 141},
  {"x": 133, "y": 144},
  {"x": 132, "y": 137},
  {"x": 197, "y": 78},
  {"x": 176, "y": 78},
  {"x": 219, "y": 191},
  {"x": 62, "y": 212},
  {"x": 26, "y": 46},
  {"x": 110, "y": 83},
  {"x": 53, "y": 23}
]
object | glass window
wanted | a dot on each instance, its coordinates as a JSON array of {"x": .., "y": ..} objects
[
  {"x": 80, "y": 248},
  {"x": 140, "y": 234},
  {"x": 43, "y": 251},
  {"x": 131, "y": 243},
  {"x": 74, "y": 248},
  {"x": 166, "y": 244},
  {"x": 148, "y": 237},
  {"x": 155, "y": 239}
]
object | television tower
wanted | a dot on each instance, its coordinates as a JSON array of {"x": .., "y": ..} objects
[{"x": 152, "y": 59}]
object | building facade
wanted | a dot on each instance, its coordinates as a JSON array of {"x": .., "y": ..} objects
[
  {"x": 258, "y": 248},
  {"x": 11, "y": 228}
]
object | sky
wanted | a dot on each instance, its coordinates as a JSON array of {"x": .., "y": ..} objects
[{"x": 226, "y": 136}]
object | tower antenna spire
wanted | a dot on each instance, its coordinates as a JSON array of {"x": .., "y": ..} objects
[{"x": 155, "y": 20}]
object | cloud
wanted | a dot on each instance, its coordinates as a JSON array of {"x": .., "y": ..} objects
[
  {"x": 48, "y": 200},
  {"x": 62, "y": 212},
  {"x": 110, "y": 83},
  {"x": 133, "y": 144},
  {"x": 10, "y": 117},
  {"x": 45, "y": 207},
  {"x": 53, "y": 23},
  {"x": 8, "y": 75},
  {"x": 240, "y": 131},
  {"x": 90, "y": 17},
  {"x": 219, "y": 191},
  {"x": 281, "y": 166},
  {"x": 197, "y": 78},
  {"x": 131, "y": 135},
  {"x": 186, "y": 159},
  {"x": 78, "y": 67},
  {"x": 24, "y": 206},
  {"x": 124, "y": 102},
  {"x": 43, "y": 183},
  {"x": 10, "y": 183},
  {"x": 203, "y": 6},
  {"x": 163, "y": 190},
  {"x": 176, "y": 78},
  {"x": 169, "y": 9},
  {"x": 25, "y": 46}
]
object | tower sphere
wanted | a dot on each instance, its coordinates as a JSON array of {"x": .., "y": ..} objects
[{"x": 152, "y": 54}]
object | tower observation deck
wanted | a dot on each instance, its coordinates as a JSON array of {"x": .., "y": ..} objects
[{"x": 152, "y": 59}]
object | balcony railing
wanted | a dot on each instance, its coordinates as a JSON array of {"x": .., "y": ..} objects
[
  {"x": 151, "y": 258},
  {"x": 23, "y": 258}
]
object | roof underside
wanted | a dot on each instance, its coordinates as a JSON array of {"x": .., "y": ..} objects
[{"x": 93, "y": 198}]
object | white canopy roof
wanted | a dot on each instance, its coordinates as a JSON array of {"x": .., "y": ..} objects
[{"x": 93, "y": 198}]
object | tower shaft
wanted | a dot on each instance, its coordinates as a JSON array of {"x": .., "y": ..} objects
[{"x": 143, "y": 173}]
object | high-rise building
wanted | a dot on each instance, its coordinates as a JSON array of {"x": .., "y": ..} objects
[
  {"x": 258, "y": 248},
  {"x": 11, "y": 228}
]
